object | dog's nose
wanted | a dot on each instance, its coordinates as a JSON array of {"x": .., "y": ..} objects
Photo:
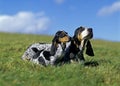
[{"x": 90, "y": 29}]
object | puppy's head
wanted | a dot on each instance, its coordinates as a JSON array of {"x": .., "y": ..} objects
[
  {"x": 61, "y": 37},
  {"x": 82, "y": 35}
]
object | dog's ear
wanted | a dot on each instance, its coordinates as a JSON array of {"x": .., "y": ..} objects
[
  {"x": 53, "y": 48},
  {"x": 54, "y": 44},
  {"x": 89, "y": 49}
]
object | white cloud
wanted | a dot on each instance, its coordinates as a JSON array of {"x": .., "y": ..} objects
[
  {"x": 24, "y": 22},
  {"x": 115, "y": 7},
  {"x": 59, "y": 1}
]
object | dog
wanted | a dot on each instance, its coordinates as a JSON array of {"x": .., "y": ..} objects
[
  {"x": 45, "y": 54},
  {"x": 80, "y": 40}
]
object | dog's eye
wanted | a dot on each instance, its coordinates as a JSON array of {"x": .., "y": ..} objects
[{"x": 63, "y": 35}]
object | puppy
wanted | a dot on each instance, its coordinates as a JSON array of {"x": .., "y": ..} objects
[
  {"x": 80, "y": 40},
  {"x": 45, "y": 54}
]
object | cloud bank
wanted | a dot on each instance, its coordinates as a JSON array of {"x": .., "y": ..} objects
[
  {"x": 24, "y": 22},
  {"x": 115, "y": 7}
]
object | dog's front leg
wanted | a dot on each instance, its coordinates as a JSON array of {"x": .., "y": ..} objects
[
  {"x": 82, "y": 45},
  {"x": 80, "y": 57}
]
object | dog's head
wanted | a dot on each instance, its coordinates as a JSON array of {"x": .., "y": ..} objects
[
  {"x": 83, "y": 33},
  {"x": 82, "y": 37},
  {"x": 61, "y": 37}
]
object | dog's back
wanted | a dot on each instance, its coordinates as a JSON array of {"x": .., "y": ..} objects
[{"x": 34, "y": 49}]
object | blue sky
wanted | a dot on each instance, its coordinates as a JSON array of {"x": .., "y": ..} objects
[{"x": 49, "y": 16}]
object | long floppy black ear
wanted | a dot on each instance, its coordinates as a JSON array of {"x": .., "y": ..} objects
[
  {"x": 55, "y": 42},
  {"x": 89, "y": 49},
  {"x": 54, "y": 45},
  {"x": 53, "y": 49}
]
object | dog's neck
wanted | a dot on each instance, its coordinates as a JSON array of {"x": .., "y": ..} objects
[
  {"x": 76, "y": 41},
  {"x": 77, "y": 45},
  {"x": 63, "y": 45}
]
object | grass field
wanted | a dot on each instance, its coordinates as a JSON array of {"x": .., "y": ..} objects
[{"x": 101, "y": 70}]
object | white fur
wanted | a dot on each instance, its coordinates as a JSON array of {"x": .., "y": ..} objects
[
  {"x": 29, "y": 53},
  {"x": 84, "y": 33}
]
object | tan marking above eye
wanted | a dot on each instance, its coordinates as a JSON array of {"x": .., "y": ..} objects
[{"x": 64, "y": 39}]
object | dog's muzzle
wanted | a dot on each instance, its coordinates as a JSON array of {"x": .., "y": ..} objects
[{"x": 90, "y": 34}]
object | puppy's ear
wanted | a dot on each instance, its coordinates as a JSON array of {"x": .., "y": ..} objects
[
  {"x": 54, "y": 44},
  {"x": 89, "y": 49},
  {"x": 53, "y": 48}
]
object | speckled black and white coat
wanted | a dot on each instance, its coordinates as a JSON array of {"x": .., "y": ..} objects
[
  {"x": 32, "y": 50},
  {"x": 45, "y": 54}
]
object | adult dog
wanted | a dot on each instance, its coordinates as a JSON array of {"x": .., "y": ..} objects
[
  {"x": 45, "y": 54},
  {"x": 80, "y": 40}
]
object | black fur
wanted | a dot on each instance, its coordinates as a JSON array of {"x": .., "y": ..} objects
[
  {"x": 77, "y": 54},
  {"x": 47, "y": 55},
  {"x": 35, "y": 49},
  {"x": 74, "y": 50},
  {"x": 41, "y": 61},
  {"x": 89, "y": 49},
  {"x": 53, "y": 48},
  {"x": 37, "y": 54},
  {"x": 55, "y": 41}
]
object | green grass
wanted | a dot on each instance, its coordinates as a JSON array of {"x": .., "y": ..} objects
[{"x": 15, "y": 72}]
